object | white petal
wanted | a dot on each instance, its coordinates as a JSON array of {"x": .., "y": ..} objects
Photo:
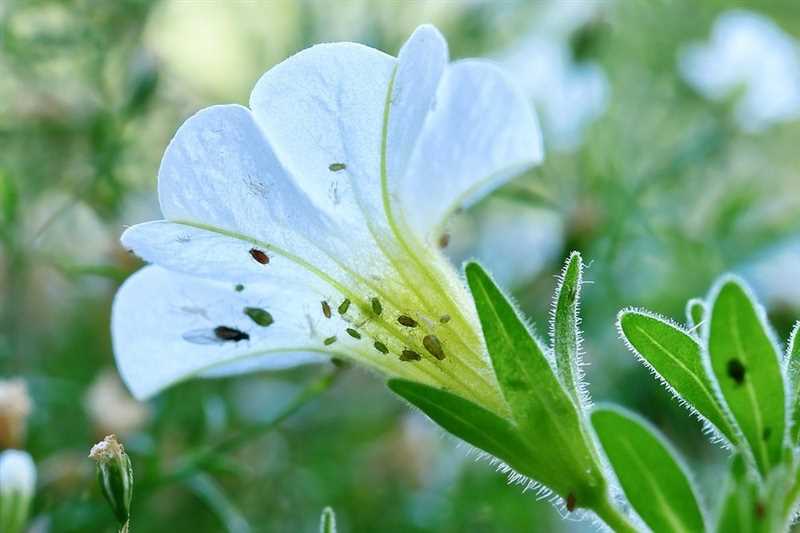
[
  {"x": 325, "y": 106},
  {"x": 421, "y": 62},
  {"x": 163, "y": 328},
  {"x": 220, "y": 179},
  {"x": 481, "y": 132},
  {"x": 209, "y": 254}
]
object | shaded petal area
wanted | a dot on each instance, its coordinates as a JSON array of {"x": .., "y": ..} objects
[
  {"x": 481, "y": 132},
  {"x": 323, "y": 111},
  {"x": 163, "y": 328}
]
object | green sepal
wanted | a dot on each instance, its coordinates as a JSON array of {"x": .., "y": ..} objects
[
  {"x": 793, "y": 372},
  {"x": 467, "y": 421},
  {"x": 327, "y": 521},
  {"x": 565, "y": 458},
  {"x": 564, "y": 330}
]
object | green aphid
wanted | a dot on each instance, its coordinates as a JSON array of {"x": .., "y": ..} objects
[
  {"x": 337, "y": 167},
  {"x": 444, "y": 319},
  {"x": 329, "y": 341},
  {"x": 410, "y": 355},
  {"x": 432, "y": 344},
  {"x": 377, "y": 308},
  {"x": 326, "y": 309},
  {"x": 344, "y": 306},
  {"x": 259, "y": 316},
  {"x": 407, "y": 321},
  {"x": 239, "y": 287},
  {"x": 381, "y": 347},
  {"x": 353, "y": 333}
]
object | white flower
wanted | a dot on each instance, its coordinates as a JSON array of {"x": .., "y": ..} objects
[
  {"x": 17, "y": 487},
  {"x": 750, "y": 51},
  {"x": 306, "y": 226},
  {"x": 569, "y": 95}
]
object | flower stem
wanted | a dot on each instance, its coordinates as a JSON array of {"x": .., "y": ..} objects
[{"x": 613, "y": 517}]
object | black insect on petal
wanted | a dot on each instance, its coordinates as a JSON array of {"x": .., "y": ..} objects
[
  {"x": 410, "y": 355},
  {"x": 239, "y": 287},
  {"x": 444, "y": 240},
  {"x": 260, "y": 316},
  {"x": 353, "y": 333},
  {"x": 381, "y": 347},
  {"x": 344, "y": 306},
  {"x": 225, "y": 333},
  {"x": 337, "y": 167},
  {"x": 259, "y": 255},
  {"x": 571, "y": 502},
  {"x": 326, "y": 309},
  {"x": 432, "y": 344},
  {"x": 736, "y": 371},
  {"x": 407, "y": 321}
]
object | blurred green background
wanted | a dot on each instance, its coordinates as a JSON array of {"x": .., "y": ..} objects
[{"x": 663, "y": 193}]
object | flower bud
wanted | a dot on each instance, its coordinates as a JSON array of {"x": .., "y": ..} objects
[
  {"x": 15, "y": 406},
  {"x": 17, "y": 486},
  {"x": 115, "y": 476}
]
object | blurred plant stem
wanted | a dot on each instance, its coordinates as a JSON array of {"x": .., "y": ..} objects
[
  {"x": 190, "y": 464},
  {"x": 613, "y": 517}
]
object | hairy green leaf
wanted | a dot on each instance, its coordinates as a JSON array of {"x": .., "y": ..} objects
[
  {"x": 695, "y": 315},
  {"x": 653, "y": 479},
  {"x": 793, "y": 371},
  {"x": 565, "y": 457},
  {"x": 327, "y": 521},
  {"x": 746, "y": 364},
  {"x": 564, "y": 330},
  {"x": 466, "y": 420},
  {"x": 676, "y": 357}
]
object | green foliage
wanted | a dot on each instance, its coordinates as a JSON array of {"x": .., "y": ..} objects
[
  {"x": 653, "y": 478},
  {"x": 746, "y": 365},
  {"x": 676, "y": 357},
  {"x": 695, "y": 315},
  {"x": 744, "y": 390}
]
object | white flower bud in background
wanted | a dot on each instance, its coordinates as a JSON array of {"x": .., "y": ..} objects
[
  {"x": 15, "y": 406},
  {"x": 115, "y": 476},
  {"x": 111, "y": 408},
  {"x": 17, "y": 487}
]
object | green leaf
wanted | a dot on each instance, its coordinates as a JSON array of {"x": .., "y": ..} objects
[
  {"x": 565, "y": 458},
  {"x": 746, "y": 364},
  {"x": 695, "y": 315},
  {"x": 676, "y": 358},
  {"x": 653, "y": 479},
  {"x": 564, "y": 329},
  {"x": 466, "y": 420},
  {"x": 327, "y": 521},
  {"x": 793, "y": 370}
]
